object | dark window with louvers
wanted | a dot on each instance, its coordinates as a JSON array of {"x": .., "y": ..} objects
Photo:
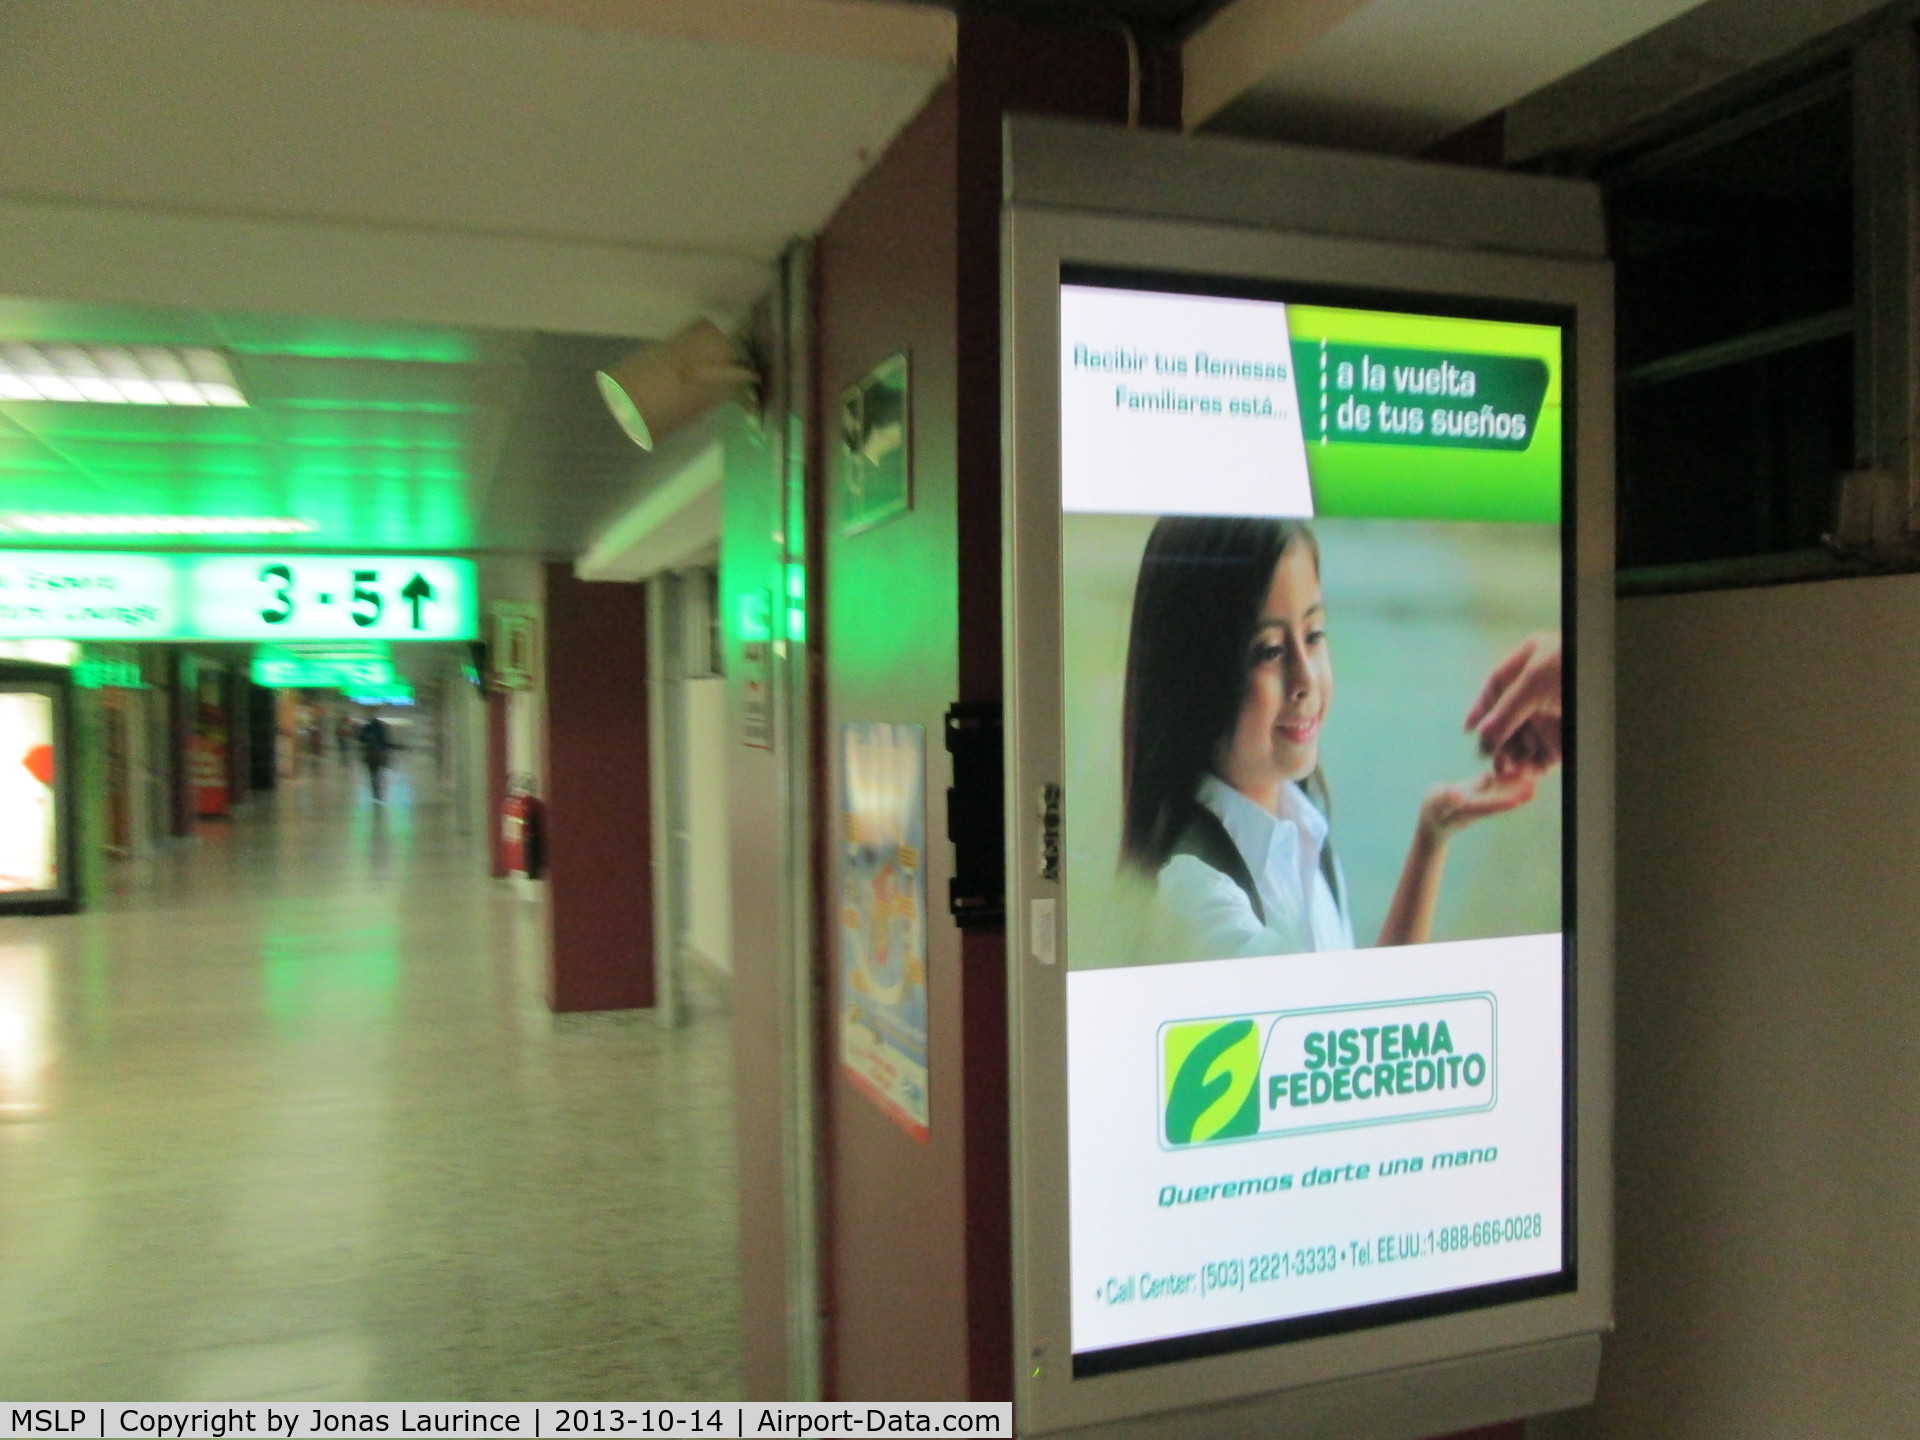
[{"x": 1733, "y": 249}]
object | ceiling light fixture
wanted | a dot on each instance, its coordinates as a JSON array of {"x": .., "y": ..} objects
[
  {"x": 42, "y": 652},
  {"x": 659, "y": 388},
  {"x": 39, "y": 524},
  {"x": 117, "y": 375}
]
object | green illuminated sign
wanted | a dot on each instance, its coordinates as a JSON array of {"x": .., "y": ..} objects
[
  {"x": 100, "y": 674},
  {"x": 299, "y": 672},
  {"x": 1422, "y": 417},
  {"x": 109, "y": 595},
  {"x": 382, "y": 695}
]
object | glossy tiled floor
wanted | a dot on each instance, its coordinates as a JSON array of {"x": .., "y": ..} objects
[{"x": 286, "y": 1118}]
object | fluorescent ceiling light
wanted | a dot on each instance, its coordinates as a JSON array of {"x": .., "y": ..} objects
[
  {"x": 117, "y": 374},
  {"x": 42, "y": 652},
  {"x": 41, "y": 524}
]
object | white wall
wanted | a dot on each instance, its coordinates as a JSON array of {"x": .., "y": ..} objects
[
  {"x": 710, "y": 886},
  {"x": 466, "y": 731},
  {"x": 1769, "y": 1079}
]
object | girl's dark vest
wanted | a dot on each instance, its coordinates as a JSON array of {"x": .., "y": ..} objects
[{"x": 1206, "y": 839}]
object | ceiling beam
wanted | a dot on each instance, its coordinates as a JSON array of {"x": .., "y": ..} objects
[
  {"x": 115, "y": 255},
  {"x": 1398, "y": 75},
  {"x": 1682, "y": 60},
  {"x": 920, "y": 35},
  {"x": 1243, "y": 43}
]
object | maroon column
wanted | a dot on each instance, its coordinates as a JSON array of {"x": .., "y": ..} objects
[
  {"x": 918, "y": 1236},
  {"x": 183, "y": 701},
  {"x": 496, "y": 781},
  {"x": 599, "y": 836}
]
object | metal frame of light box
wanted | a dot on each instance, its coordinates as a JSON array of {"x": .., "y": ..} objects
[
  {"x": 22, "y": 677},
  {"x": 1387, "y": 234}
]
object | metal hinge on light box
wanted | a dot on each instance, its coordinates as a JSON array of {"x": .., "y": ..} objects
[{"x": 976, "y": 814}]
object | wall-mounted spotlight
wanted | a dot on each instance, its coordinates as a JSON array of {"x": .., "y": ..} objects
[{"x": 660, "y": 388}]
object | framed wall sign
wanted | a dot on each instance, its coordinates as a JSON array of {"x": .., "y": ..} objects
[
  {"x": 876, "y": 447},
  {"x": 515, "y": 656}
]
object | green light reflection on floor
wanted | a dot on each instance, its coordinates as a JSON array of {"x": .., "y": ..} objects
[{"x": 306, "y": 975}]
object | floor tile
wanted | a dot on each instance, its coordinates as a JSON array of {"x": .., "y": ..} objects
[{"x": 286, "y": 1117}]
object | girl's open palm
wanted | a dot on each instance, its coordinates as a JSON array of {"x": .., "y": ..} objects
[{"x": 1449, "y": 807}]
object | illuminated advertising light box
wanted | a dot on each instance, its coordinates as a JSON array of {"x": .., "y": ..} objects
[
  {"x": 110, "y": 595},
  {"x": 1311, "y": 1088},
  {"x": 36, "y": 819}
]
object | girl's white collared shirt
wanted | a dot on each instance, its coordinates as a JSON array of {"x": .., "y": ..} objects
[{"x": 1201, "y": 913}]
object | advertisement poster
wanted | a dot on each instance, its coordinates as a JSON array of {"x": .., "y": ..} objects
[
  {"x": 207, "y": 763},
  {"x": 29, "y": 817},
  {"x": 1312, "y": 573},
  {"x": 883, "y": 917}
]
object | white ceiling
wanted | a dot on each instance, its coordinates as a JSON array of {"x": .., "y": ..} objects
[
  {"x": 387, "y": 437},
  {"x": 1393, "y": 75},
  {"x": 657, "y": 153},
  {"x": 503, "y": 174},
  {"x": 418, "y": 226}
]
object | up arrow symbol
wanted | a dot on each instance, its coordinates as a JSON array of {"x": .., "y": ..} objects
[{"x": 416, "y": 593}]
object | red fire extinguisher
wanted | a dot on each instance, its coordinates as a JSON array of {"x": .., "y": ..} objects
[
  {"x": 523, "y": 829},
  {"x": 513, "y": 825}
]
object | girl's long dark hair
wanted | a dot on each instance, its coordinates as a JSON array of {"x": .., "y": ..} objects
[{"x": 1203, "y": 581}]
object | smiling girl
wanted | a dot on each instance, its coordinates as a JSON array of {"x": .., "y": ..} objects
[{"x": 1229, "y": 686}]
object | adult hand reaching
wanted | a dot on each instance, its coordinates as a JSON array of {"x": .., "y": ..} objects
[
  {"x": 1518, "y": 712},
  {"x": 1518, "y": 716}
]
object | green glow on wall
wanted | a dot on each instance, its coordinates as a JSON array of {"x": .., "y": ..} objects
[
  {"x": 756, "y": 624},
  {"x": 796, "y": 603}
]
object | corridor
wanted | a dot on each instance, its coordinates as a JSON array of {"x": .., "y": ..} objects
[{"x": 287, "y": 1118}]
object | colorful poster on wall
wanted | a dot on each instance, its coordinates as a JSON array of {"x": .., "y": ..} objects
[
  {"x": 29, "y": 819},
  {"x": 207, "y": 763},
  {"x": 883, "y": 917},
  {"x": 876, "y": 450}
]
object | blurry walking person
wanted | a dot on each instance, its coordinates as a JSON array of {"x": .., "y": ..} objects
[{"x": 376, "y": 749}]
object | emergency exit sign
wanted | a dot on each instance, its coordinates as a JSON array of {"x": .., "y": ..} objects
[{"x": 115, "y": 595}]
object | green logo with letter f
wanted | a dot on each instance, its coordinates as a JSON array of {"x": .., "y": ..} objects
[{"x": 1212, "y": 1075}]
